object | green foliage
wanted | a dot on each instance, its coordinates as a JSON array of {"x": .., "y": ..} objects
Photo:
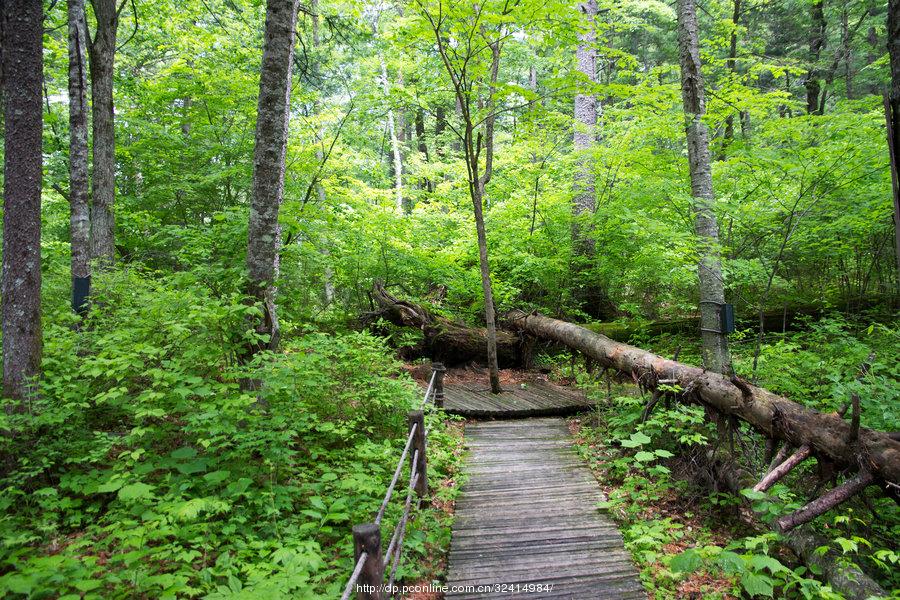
[{"x": 144, "y": 469}]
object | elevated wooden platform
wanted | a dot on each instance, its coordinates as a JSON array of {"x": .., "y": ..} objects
[
  {"x": 531, "y": 399},
  {"x": 527, "y": 517}
]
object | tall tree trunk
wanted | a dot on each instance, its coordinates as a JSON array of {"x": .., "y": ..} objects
[
  {"x": 422, "y": 146},
  {"x": 477, "y": 193},
  {"x": 476, "y": 188},
  {"x": 273, "y": 112},
  {"x": 712, "y": 294},
  {"x": 731, "y": 64},
  {"x": 892, "y": 106},
  {"x": 327, "y": 271},
  {"x": 440, "y": 126},
  {"x": 816, "y": 44},
  {"x": 847, "y": 52},
  {"x": 79, "y": 215},
  {"x": 102, "y": 53},
  {"x": 20, "y": 288},
  {"x": 395, "y": 142},
  {"x": 585, "y": 128}
]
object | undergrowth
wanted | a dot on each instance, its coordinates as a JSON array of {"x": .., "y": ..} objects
[
  {"x": 144, "y": 470},
  {"x": 690, "y": 540}
]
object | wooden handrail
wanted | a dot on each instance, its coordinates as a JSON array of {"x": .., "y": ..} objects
[{"x": 368, "y": 573}]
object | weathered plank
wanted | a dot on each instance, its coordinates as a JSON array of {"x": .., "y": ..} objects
[
  {"x": 533, "y": 399},
  {"x": 527, "y": 516}
]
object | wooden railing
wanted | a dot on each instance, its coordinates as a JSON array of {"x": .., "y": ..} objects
[{"x": 371, "y": 566}]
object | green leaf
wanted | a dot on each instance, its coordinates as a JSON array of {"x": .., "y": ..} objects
[
  {"x": 636, "y": 439},
  {"x": 135, "y": 491},
  {"x": 756, "y": 585},
  {"x": 731, "y": 562},
  {"x": 217, "y": 476},
  {"x": 110, "y": 486},
  {"x": 761, "y": 561},
  {"x": 196, "y": 466},
  {"x": 663, "y": 453},
  {"x": 238, "y": 487},
  {"x": 184, "y": 453},
  {"x": 644, "y": 456},
  {"x": 686, "y": 562},
  {"x": 86, "y": 585},
  {"x": 752, "y": 494}
]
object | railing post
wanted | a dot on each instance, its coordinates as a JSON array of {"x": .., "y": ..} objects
[
  {"x": 417, "y": 417},
  {"x": 367, "y": 538},
  {"x": 439, "y": 370}
]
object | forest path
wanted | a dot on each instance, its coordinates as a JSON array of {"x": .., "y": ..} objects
[
  {"x": 531, "y": 398},
  {"x": 527, "y": 519}
]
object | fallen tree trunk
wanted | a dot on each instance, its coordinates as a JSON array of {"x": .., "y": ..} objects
[
  {"x": 444, "y": 341},
  {"x": 776, "y": 417}
]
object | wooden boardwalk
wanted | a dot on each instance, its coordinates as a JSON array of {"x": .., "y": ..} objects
[
  {"x": 527, "y": 515},
  {"x": 530, "y": 399}
]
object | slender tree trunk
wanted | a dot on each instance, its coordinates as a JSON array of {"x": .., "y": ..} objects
[
  {"x": 79, "y": 215},
  {"x": 102, "y": 52},
  {"x": 847, "y": 52},
  {"x": 395, "y": 142},
  {"x": 871, "y": 56},
  {"x": 716, "y": 356},
  {"x": 22, "y": 45},
  {"x": 476, "y": 187},
  {"x": 422, "y": 145},
  {"x": 440, "y": 126},
  {"x": 585, "y": 128},
  {"x": 264, "y": 234},
  {"x": 892, "y": 108},
  {"x": 731, "y": 64},
  {"x": 328, "y": 271},
  {"x": 816, "y": 44}
]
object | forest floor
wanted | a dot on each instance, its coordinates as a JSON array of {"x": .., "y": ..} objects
[{"x": 675, "y": 520}]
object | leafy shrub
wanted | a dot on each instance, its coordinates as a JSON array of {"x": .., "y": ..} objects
[{"x": 144, "y": 469}]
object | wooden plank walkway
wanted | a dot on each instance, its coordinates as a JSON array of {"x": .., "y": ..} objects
[
  {"x": 530, "y": 399},
  {"x": 527, "y": 515}
]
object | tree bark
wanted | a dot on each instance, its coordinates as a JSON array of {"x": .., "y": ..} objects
[
  {"x": 477, "y": 191},
  {"x": 584, "y": 202},
  {"x": 20, "y": 289},
  {"x": 395, "y": 142},
  {"x": 731, "y": 64},
  {"x": 422, "y": 144},
  {"x": 774, "y": 416},
  {"x": 716, "y": 356},
  {"x": 264, "y": 233},
  {"x": 102, "y": 53},
  {"x": 440, "y": 125},
  {"x": 892, "y": 110},
  {"x": 816, "y": 44},
  {"x": 79, "y": 215}
]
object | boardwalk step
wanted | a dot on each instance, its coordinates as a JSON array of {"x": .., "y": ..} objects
[{"x": 527, "y": 516}]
